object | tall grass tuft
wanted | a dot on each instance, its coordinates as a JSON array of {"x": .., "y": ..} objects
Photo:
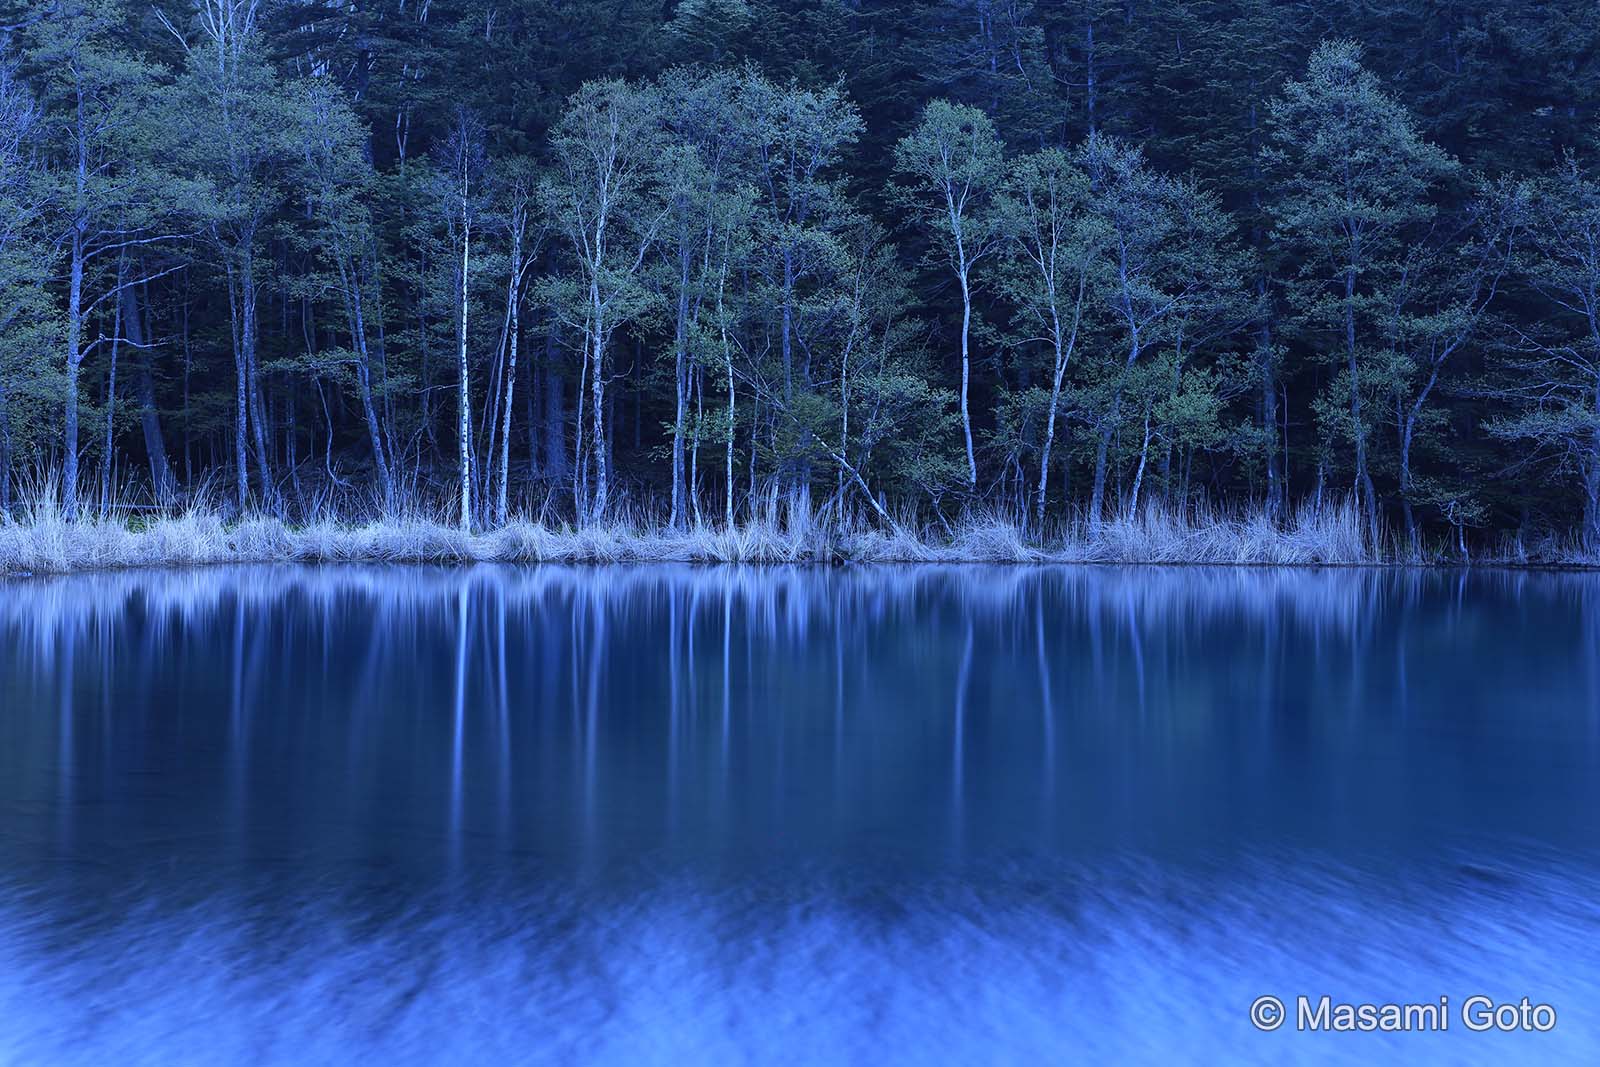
[{"x": 782, "y": 528}]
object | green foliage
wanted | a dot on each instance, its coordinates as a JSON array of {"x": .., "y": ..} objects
[{"x": 928, "y": 255}]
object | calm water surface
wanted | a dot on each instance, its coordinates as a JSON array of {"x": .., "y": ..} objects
[{"x": 696, "y": 815}]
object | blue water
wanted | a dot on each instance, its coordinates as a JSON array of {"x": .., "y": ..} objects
[{"x": 703, "y": 815}]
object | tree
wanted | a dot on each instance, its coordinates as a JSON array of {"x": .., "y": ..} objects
[
  {"x": 25, "y": 262},
  {"x": 1056, "y": 242},
  {"x": 338, "y": 185},
  {"x": 1436, "y": 307},
  {"x": 1170, "y": 270},
  {"x": 1353, "y": 181},
  {"x": 1551, "y": 382},
  {"x": 952, "y": 166},
  {"x": 94, "y": 96},
  {"x": 700, "y": 175},
  {"x": 236, "y": 120},
  {"x": 516, "y": 193},
  {"x": 603, "y": 196},
  {"x": 799, "y": 139},
  {"x": 461, "y": 166}
]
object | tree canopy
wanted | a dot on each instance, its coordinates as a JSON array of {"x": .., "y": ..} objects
[{"x": 903, "y": 256}]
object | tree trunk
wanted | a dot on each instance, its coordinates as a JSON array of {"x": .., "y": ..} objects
[
  {"x": 680, "y": 376},
  {"x": 966, "y": 415},
  {"x": 111, "y": 389},
  {"x": 1098, "y": 493},
  {"x": 513, "y": 299},
  {"x": 464, "y": 422},
  {"x": 1269, "y": 412},
  {"x": 555, "y": 424},
  {"x": 355, "y": 311},
  {"x": 1063, "y": 354},
  {"x": 1407, "y": 431},
  {"x": 597, "y": 402},
  {"x": 248, "y": 330},
  {"x": 5, "y": 452},
  {"x": 1138, "y": 478},
  {"x": 1368, "y": 495},
  {"x": 161, "y": 478},
  {"x": 1592, "y": 481},
  {"x": 69, "y": 458},
  {"x": 699, "y": 381}
]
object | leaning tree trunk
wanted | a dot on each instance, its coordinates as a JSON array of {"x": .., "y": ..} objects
[
  {"x": 155, "y": 446},
  {"x": 513, "y": 299}
]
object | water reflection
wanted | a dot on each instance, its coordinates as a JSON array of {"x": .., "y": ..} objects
[{"x": 661, "y": 814}]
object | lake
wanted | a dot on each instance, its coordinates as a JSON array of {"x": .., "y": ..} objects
[{"x": 701, "y": 815}]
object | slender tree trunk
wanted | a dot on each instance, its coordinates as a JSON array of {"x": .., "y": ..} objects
[
  {"x": 5, "y": 453},
  {"x": 69, "y": 459},
  {"x": 240, "y": 412},
  {"x": 727, "y": 356},
  {"x": 1592, "y": 481},
  {"x": 1364, "y": 487},
  {"x": 464, "y": 422},
  {"x": 1269, "y": 411},
  {"x": 1407, "y": 432},
  {"x": 966, "y": 374},
  {"x": 597, "y": 386},
  {"x": 1138, "y": 478},
  {"x": 680, "y": 378},
  {"x": 698, "y": 378},
  {"x": 248, "y": 330},
  {"x": 355, "y": 311},
  {"x": 111, "y": 393},
  {"x": 1063, "y": 353},
  {"x": 514, "y": 329},
  {"x": 580, "y": 438},
  {"x": 1103, "y": 450},
  {"x": 161, "y": 478},
  {"x": 1098, "y": 493}
]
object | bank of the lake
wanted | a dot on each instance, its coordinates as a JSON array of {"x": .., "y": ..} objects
[{"x": 41, "y": 541}]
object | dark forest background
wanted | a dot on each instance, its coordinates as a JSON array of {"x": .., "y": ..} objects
[{"x": 1065, "y": 259}]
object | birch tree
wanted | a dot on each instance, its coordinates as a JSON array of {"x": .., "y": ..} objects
[
  {"x": 461, "y": 164},
  {"x": 952, "y": 166},
  {"x": 604, "y": 197},
  {"x": 1057, "y": 241},
  {"x": 704, "y": 119}
]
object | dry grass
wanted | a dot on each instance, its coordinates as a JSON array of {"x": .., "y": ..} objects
[{"x": 40, "y": 540}]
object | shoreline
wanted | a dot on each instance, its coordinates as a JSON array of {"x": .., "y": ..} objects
[{"x": 48, "y": 545}]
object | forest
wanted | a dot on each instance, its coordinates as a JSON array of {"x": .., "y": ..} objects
[{"x": 907, "y": 260}]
